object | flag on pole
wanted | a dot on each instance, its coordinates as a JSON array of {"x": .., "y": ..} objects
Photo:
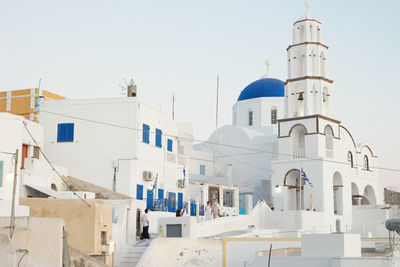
[
  {"x": 304, "y": 177},
  {"x": 155, "y": 182},
  {"x": 184, "y": 176}
]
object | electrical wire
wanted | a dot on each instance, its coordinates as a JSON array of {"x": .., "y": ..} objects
[
  {"x": 53, "y": 168},
  {"x": 240, "y": 161},
  {"x": 215, "y": 143}
]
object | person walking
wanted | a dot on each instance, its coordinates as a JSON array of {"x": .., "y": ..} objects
[
  {"x": 145, "y": 223},
  {"x": 207, "y": 212},
  {"x": 215, "y": 208},
  {"x": 181, "y": 212}
]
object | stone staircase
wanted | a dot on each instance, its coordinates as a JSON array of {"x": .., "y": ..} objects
[{"x": 131, "y": 255}]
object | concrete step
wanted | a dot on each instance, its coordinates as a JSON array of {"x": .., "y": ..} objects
[
  {"x": 134, "y": 249},
  {"x": 129, "y": 260}
]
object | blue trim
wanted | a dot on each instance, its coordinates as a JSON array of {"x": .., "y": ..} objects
[
  {"x": 65, "y": 132},
  {"x": 267, "y": 87},
  {"x": 139, "y": 191},
  {"x": 158, "y": 138},
  {"x": 146, "y": 134},
  {"x": 169, "y": 145}
]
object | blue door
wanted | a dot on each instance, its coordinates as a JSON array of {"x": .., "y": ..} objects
[
  {"x": 150, "y": 199},
  {"x": 171, "y": 202},
  {"x": 180, "y": 201}
]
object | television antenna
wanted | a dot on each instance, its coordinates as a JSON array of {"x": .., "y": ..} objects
[{"x": 128, "y": 89}]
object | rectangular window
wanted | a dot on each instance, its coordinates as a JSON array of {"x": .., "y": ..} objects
[
  {"x": 158, "y": 138},
  {"x": 228, "y": 198},
  {"x": 139, "y": 192},
  {"x": 202, "y": 169},
  {"x": 1, "y": 173},
  {"x": 103, "y": 238},
  {"x": 36, "y": 152},
  {"x": 273, "y": 116},
  {"x": 146, "y": 133},
  {"x": 65, "y": 132},
  {"x": 169, "y": 145},
  {"x": 250, "y": 118}
]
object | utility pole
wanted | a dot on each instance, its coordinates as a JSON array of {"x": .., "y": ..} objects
[
  {"x": 173, "y": 106},
  {"x": 12, "y": 222},
  {"x": 216, "y": 112}
]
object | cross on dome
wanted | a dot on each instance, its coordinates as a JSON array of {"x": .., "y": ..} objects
[
  {"x": 267, "y": 65},
  {"x": 307, "y": 7}
]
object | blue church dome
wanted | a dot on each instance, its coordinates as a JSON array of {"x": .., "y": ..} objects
[{"x": 266, "y": 87}]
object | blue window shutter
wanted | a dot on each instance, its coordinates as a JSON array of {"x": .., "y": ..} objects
[
  {"x": 1, "y": 173},
  {"x": 150, "y": 199},
  {"x": 139, "y": 191},
  {"x": 180, "y": 201},
  {"x": 146, "y": 133},
  {"x": 65, "y": 132},
  {"x": 158, "y": 138},
  {"x": 169, "y": 145}
]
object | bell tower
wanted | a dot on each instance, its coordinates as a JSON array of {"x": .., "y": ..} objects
[{"x": 307, "y": 89}]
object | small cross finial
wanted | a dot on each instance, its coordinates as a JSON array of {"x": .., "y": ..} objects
[
  {"x": 267, "y": 64},
  {"x": 307, "y": 7}
]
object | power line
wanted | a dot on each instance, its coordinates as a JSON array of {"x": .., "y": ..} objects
[
  {"x": 240, "y": 161},
  {"x": 53, "y": 168},
  {"x": 215, "y": 143}
]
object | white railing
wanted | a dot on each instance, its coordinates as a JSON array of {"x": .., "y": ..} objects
[{"x": 299, "y": 153}]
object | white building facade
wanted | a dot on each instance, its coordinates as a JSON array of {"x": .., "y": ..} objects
[{"x": 122, "y": 144}]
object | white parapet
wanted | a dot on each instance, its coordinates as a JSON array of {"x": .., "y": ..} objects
[{"x": 331, "y": 245}]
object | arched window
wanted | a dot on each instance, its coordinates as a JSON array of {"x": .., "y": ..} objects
[
  {"x": 298, "y": 133},
  {"x": 366, "y": 163},
  {"x": 350, "y": 159},
  {"x": 329, "y": 141},
  {"x": 337, "y": 194},
  {"x": 274, "y": 115},
  {"x": 250, "y": 118}
]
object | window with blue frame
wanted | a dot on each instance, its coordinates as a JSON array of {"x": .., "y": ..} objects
[
  {"x": 146, "y": 133},
  {"x": 169, "y": 145},
  {"x": 202, "y": 169},
  {"x": 65, "y": 132},
  {"x": 139, "y": 191},
  {"x": 158, "y": 138},
  {"x": 1, "y": 173}
]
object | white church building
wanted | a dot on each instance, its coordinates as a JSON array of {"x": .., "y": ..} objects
[{"x": 281, "y": 128}]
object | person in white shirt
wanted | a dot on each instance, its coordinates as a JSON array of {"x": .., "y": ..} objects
[
  {"x": 207, "y": 212},
  {"x": 145, "y": 223},
  {"x": 215, "y": 209}
]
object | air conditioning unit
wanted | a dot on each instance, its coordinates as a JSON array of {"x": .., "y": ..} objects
[
  {"x": 148, "y": 176},
  {"x": 181, "y": 183}
]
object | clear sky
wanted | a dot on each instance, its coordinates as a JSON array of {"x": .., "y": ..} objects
[{"x": 84, "y": 49}]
